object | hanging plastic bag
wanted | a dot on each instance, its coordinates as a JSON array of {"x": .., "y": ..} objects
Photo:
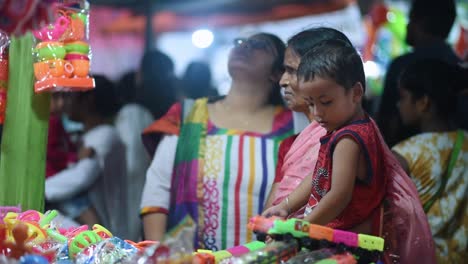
[{"x": 62, "y": 52}]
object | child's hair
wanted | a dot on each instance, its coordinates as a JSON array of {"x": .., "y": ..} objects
[
  {"x": 439, "y": 81},
  {"x": 335, "y": 60},
  {"x": 303, "y": 41}
]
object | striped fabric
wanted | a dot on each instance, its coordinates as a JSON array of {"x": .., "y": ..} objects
[{"x": 222, "y": 177}]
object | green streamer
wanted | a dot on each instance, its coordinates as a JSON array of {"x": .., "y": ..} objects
[{"x": 23, "y": 149}]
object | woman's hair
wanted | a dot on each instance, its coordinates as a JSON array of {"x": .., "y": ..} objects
[
  {"x": 439, "y": 81},
  {"x": 305, "y": 40},
  {"x": 275, "y": 95}
]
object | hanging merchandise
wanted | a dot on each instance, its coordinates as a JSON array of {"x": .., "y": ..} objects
[
  {"x": 4, "y": 43},
  {"x": 62, "y": 53}
]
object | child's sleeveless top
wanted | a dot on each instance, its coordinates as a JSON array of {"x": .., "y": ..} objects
[{"x": 369, "y": 193}]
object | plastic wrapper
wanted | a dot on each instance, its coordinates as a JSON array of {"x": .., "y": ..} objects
[
  {"x": 62, "y": 53},
  {"x": 177, "y": 246},
  {"x": 6, "y": 260},
  {"x": 275, "y": 252},
  {"x": 306, "y": 256},
  {"x": 4, "y": 43},
  {"x": 112, "y": 250}
]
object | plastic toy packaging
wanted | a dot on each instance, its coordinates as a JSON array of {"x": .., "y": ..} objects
[
  {"x": 62, "y": 52},
  {"x": 177, "y": 246},
  {"x": 112, "y": 250},
  {"x": 275, "y": 252},
  {"x": 4, "y": 43}
]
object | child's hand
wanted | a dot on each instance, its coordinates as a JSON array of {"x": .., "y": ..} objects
[
  {"x": 85, "y": 152},
  {"x": 278, "y": 210}
]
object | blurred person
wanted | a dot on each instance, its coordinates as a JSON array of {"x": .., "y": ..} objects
[
  {"x": 61, "y": 152},
  {"x": 156, "y": 83},
  {"x": 130, "y": 120},
  {"x": 99, "y": 177},
  {"x": 216, "y": 160},
  {"x": 298, "y": 153},
  {"x": 437, "y": 158},
  {"x": 196, "y": 82},
  {"x": 430, "y": 22}
]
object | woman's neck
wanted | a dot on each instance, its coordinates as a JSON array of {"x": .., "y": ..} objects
[
  {"x": 437, "y": 124},
  {"x": 247, "y": 97}
]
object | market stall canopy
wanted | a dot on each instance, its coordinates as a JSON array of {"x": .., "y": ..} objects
[{"x": 180, "y": 15}]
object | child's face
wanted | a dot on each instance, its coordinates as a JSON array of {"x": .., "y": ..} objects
[{"x": 331, "y": 104}]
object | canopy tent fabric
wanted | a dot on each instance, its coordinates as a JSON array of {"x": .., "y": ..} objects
[{"x": 166, "y": 21}]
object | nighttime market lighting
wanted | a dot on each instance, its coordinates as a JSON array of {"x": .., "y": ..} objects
[{"x": 202, "y": 38}]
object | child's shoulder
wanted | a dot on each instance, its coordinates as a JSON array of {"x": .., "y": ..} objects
[{"x": 361, "y": 128}]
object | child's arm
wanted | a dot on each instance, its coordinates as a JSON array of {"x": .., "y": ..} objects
[
  {"x": 293, "y": 202},
  {"x": 344, "y": 173}
]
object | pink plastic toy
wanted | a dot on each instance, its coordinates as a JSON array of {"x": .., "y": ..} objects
[
  {"x": 348, "y": 238},
  {"x": 53, "y": 32}
]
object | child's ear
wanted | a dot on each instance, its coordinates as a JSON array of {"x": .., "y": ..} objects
[{"x": 358, "y": 92}]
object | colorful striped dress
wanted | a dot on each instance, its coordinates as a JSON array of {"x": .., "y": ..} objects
[{"x": 227, "y": 182}]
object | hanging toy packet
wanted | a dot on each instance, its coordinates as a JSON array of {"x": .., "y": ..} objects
[{"x": 62, "y": 52}]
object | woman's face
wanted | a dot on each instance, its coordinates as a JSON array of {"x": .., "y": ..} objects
[
  {"x": 409, "y": 111},
  {"x": 289, "y": 82},
  {"x": 253, "y": 56}
]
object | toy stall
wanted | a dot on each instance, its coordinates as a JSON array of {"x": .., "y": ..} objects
[
  {"x": 35, "y": 238},
  {"x": 54, "y": 55}
]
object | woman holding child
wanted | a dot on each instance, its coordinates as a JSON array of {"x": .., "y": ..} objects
[{"x": 357, "y": 184}]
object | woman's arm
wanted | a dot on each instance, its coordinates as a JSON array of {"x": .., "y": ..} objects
[
  {"x": 297, "y": 199},
  {"x": 154, "y": 226},
  {"x": 271, "y": 195},
  {"x": 345, "y": 170},
  {"x": 155, "y": 199},
  {"x": 402, "y": 161},
  {"x": 283, "y": 149}
]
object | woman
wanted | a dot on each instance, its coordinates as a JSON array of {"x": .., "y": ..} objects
[
  {"x": 225, "y": 161},
  {"x": 427, "y": 101},
  {"x": 297, "y": 154}
]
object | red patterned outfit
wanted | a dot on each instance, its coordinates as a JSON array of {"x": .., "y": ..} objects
[{"x": 367, "y": 194}]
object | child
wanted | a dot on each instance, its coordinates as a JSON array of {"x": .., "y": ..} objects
[
  {"x": 349, "y": 184},
  {"x": 298, "y": 153},
  {"x": 428, "y": 90}
]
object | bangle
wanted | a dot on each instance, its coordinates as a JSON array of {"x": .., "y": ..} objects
[{"x": 287, "y": 205}]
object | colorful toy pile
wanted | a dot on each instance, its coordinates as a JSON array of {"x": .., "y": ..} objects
[
  {"x": 33, "y": 237},
  {"x": 366, "y": 248},
  {"x": 62, "y": 53}
]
